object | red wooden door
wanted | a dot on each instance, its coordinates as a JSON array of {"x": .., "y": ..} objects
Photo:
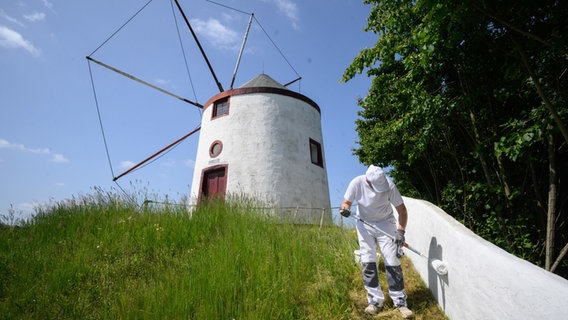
[{"x": 214, "y": 183}]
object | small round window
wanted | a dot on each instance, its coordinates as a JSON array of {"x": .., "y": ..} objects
[{"x": 215, "y": 149}]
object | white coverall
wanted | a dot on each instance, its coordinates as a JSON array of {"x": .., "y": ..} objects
[{"x": 375, "y": 208}]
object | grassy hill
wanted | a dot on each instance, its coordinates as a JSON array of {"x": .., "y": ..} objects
[{"x": 99, "y": 257}]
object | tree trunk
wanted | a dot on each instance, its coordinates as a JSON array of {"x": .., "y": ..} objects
[
  {"x": 477, "y": 136},
  {"x": 550, "y": 215},
  {"x": 559, "y": 258}
]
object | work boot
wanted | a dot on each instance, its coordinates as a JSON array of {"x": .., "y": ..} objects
[
  {"x": 373, "y": 309},
  {"x": 405, "y": 312}
]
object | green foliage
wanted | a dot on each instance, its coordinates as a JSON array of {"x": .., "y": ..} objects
[
  {"x": 480, "y": 208},
  {"x": 102, "y": 256},
  {"x": 467, "y": 98}
]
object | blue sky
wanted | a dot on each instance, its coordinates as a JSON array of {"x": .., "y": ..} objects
[{"x": 51, "y": 146}]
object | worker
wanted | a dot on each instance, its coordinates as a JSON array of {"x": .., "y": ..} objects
[{"x": 375, "y": 195}]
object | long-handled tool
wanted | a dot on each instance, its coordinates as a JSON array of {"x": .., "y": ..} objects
[
  {"x": 406, "y": 245},
  {"x": 439, "y": 266}
]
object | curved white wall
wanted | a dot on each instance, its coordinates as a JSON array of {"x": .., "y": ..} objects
[
  {"x": 483, "y": 281},
  {"x": 266, "y": 146}
]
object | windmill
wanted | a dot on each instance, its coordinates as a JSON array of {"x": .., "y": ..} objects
[{"x": 261, "y": 140}]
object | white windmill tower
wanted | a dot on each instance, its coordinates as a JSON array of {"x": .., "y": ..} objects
[{"x": 264, "y": 141}]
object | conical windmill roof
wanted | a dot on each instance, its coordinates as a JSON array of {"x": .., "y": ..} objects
[
  {"x": 262, "y": 84},
  {"x": 263, "y": 80}
]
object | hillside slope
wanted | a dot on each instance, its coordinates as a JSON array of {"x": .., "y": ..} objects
[{"x": 100, "y": 258}]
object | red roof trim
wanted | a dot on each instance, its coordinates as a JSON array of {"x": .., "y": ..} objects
[{"x": 241, "y": 91}]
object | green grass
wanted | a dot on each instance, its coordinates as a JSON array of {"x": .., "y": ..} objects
[{"x": 99, "y": 257}]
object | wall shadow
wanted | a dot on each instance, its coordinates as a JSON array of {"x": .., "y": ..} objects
[{"x": 435, "y": 252}]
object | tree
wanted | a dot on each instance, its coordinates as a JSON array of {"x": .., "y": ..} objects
[{"x": 468, "y": 105}]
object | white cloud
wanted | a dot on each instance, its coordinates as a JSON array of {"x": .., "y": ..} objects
[
  {"x": 24, "y": 211},
  {"x": 162, "y": 82},
  {"x": 21, "y": 147},
  {"x": 48, "y": 5},
  {"x": 290, "y": 9},
  {"x": 27, "y": 206},
  {"x": 60, "y": 184},
  {"x": 55, "y": 157},
  {"x": 59, "y": 158},
  {"x": 35, "y": 17},
  {"x": 12, "y": 40},
  {"x": 218, "y": 34},
  {"x": 34, "y": 150},
  {"x": 227, "y": 17},
  {"x": 4, "y": 15},
  {"x": 127, "y": 164}
]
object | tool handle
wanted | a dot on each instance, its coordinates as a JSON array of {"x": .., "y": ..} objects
[{"x": 406, "y": 245}]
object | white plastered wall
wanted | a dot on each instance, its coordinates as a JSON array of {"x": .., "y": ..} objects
[{"x": 483, "y": 281}]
